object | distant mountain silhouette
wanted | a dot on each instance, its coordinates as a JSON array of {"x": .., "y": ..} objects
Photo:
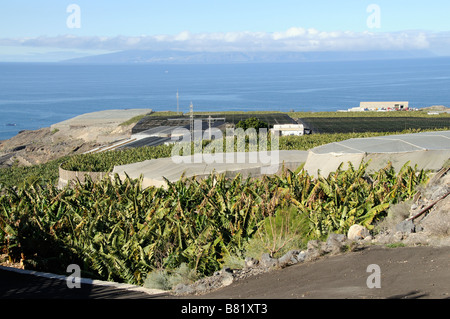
[{"x": 183, "y": 57}]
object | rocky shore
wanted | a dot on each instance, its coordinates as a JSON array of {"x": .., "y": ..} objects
[{"x": 73, "y": 136}]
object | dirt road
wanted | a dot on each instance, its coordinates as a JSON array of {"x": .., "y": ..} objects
[{"x": 405, "y": 272}]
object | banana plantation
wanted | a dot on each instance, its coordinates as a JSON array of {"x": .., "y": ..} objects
[{"x": 116, "y": 230}]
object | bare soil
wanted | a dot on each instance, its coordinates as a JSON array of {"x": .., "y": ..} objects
[{"x": 405, "y": 272}]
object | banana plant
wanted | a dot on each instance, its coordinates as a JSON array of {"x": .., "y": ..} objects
[{"x": 117, "y": 230}]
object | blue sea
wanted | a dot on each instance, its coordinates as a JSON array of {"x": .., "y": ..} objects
[{"x": 33, "y": 96}]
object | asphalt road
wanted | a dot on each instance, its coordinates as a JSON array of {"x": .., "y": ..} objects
[{"x": 25, "y": 286}]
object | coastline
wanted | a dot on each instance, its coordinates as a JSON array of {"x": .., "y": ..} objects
[
  {"x": 74, "y": 136},
  {"x": 92, "y": 130},
  {"x": 307, "y": 87}
]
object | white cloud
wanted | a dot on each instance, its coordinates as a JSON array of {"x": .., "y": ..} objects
[
  {"x": 290, "y": 33},
  {"x": 293, "y": 39},
  {"x": 183, "y": 36}
]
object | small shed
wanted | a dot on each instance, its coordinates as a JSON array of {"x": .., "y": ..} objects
[{"x": 288, "y": 129}]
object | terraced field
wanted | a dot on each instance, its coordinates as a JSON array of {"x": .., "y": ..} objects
[
  {"x": 230, "y": 117},
  {"x": 319, "y": 122},
  {"x": 373, "y": 124}
]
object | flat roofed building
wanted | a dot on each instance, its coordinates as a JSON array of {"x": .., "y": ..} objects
[
  {"x": 288, "y": 129},
  {"x": 374, "y": 106}
]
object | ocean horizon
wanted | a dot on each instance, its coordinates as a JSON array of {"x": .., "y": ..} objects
[{"x": 36, "y": 95}]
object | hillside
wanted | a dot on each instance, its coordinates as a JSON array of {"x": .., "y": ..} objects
[
  {"x": 74, "y": 136},
  {"x": 186, "y": 57}
]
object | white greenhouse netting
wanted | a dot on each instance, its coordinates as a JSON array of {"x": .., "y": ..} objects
[
  {"x": 247, "y": 164},
  {"x": 428, "y": 150}
]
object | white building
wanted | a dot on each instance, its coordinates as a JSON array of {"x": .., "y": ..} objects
[
  {"x": 381, "y": 106},
  {"x": 374, "y": 106},
  {"x": 288, "y": 129}
]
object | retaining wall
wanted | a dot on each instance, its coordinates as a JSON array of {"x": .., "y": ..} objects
[{"x": 66, "y": 177}]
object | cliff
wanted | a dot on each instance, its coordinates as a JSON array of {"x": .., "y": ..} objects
[{"x": 74, "y": 136}]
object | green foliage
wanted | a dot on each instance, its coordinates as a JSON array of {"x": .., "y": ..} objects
[
  {"x": 105, "y": 162},
  {"x": 165, "y": 114},
  {"x": 116, "y": 230},
  {"x": 252, "y": 122},
  {"x": 279, "y": 233},
  {"x": 158, "y": 279},
  {"x": 42, "y": 174},
  {"x": 167, "y": 279},
  {"x": 352, "y": 196},
  {"x": 122, "y": 232},
  {"x": 375, "y": 124},
  {"x": 134, "y": 119},
  {"x": 421, "y": 113}
]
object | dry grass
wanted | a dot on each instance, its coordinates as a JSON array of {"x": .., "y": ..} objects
[
  {"x": 437, "y": 222},
  {"x": 396, "y": 214}
]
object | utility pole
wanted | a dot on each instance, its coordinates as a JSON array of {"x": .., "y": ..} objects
[
  {"x": 191, "y": 126},
  {"x": 178, "y": 105},
  {"x": 209, "y": 126}
]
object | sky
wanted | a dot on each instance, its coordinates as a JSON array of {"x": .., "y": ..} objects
[{"x": 51, "y": 30}]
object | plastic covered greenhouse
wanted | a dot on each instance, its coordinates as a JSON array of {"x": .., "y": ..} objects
[{"x": 427, "y": 150}]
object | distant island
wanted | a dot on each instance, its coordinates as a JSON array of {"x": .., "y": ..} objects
[{"x": 187, "y": 57}]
